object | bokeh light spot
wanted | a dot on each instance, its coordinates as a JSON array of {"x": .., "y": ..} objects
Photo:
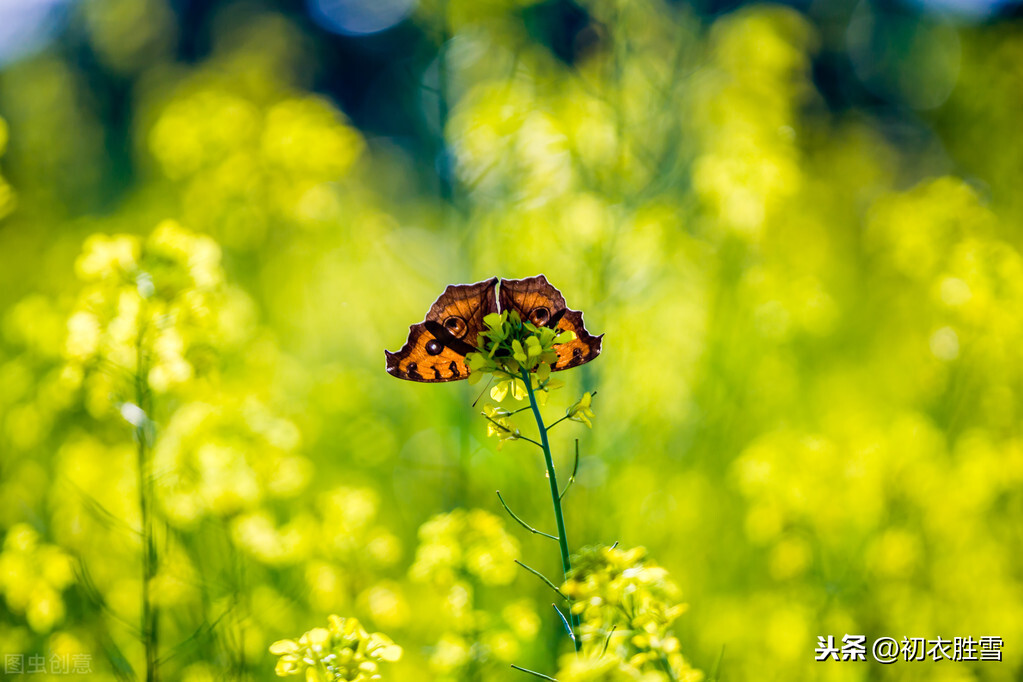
[
  {"x": 357, "y": 17},
  {"x": 27, "y": 25}
]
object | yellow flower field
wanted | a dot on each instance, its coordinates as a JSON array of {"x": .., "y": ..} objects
[{"x": 798, "y": 228}]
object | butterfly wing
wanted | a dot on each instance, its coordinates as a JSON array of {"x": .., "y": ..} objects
[
  {"x": 436, "y": 347},
  {"x": 539, "y": 302}
]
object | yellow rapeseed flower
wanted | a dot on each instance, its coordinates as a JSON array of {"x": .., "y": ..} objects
[{"x": 343, "y": 651}]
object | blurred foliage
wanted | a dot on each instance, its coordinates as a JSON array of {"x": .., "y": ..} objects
[{"x": 800, "y": 232}]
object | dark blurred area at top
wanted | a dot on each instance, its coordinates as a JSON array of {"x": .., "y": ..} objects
[
  {"x": 373, "y": 57},
  {"x": 368, "y": 74}
]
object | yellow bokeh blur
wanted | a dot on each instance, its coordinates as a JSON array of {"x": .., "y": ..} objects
[{"x": 798, "y": 229}]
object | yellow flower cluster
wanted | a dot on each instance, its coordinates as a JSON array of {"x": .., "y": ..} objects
[
  {"x": 605, "y": 669},
  {"x": 489, "y": 642},
  {"x": 582, "y": 411},
  {"x": 505, "y": 144},
  {"x": 459, "y": 553},
  {"x": 627, "y": 605},
  {"x": 341, "y": 651},
  {"x": 510, "y": 345},
  {"x": 32, "y": 576},
  {"x": 465, "y": 542},
  {"x": 226, "y": 459},
  {"x": 499, "y": 424},
  {"x": 748, "y": 166},
  {"x": 351, "y": 528},
  {"x": 248, "y": 154},
  {"x": 153, "y": 309},
  {"x": 350, "y": 550}
]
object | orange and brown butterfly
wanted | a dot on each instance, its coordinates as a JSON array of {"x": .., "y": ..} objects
[{"x": 436, "y": 347}]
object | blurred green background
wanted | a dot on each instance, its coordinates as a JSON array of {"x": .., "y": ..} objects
[{"x": 798, "y": 226}]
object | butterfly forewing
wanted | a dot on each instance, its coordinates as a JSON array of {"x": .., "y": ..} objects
[
  {"x": 535, "y": 299},
  {"x": 539, "y": 302},
  {"x": 437, "y": 346}
]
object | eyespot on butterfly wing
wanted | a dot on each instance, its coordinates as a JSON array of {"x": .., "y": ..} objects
[
  {"x": 538, "y": 301},
  {"x": 436, "y": 347}
]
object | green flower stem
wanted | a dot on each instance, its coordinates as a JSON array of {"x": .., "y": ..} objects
[
  {"x": 556, "y": 422},
  {"x": 150, "y": 614},
  {"x": 575, "y": 470},
  {"x": 535, "y": 674},
  {"x": 545, "y": 579},
  {"x": 520, "y": 521},
  {"x": 559, "y": 517}
]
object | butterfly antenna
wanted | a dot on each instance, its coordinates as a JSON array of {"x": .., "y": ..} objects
[{"x": 483, "y": 391}]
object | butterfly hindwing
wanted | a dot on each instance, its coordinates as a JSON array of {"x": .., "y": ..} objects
[
  {"x": 416, "y": 360},
  {"x": 580, "y": 350},
  {"x": 539, "y": 302},
  {"x": 436, "y": 347}
]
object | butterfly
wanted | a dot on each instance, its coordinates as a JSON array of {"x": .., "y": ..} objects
[{"x": 437, "y": 346}]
